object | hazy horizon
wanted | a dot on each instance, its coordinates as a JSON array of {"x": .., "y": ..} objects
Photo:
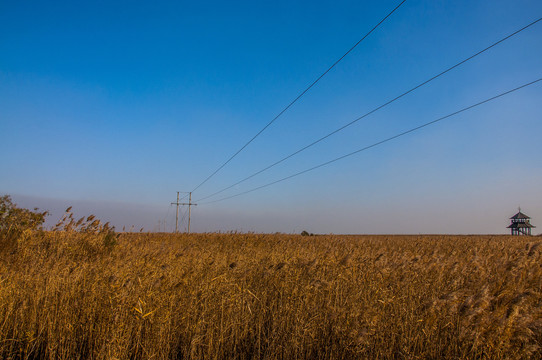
[{"x": 133, "y": 217}]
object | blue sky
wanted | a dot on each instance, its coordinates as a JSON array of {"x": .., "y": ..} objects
[{"x": 114, "y": 106}]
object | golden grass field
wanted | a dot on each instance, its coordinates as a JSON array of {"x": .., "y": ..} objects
[{"x": 73, "y": 295}]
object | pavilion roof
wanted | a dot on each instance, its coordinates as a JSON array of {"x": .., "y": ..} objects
[
  {"x": 519, "y": 215},
  {"x": 520, "y": 225}
]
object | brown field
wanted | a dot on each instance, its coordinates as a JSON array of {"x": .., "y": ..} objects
[{"x": 73, "y": 295}]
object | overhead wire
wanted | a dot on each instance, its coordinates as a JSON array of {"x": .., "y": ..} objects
[
  {"x": 379, "y": 142},
  {"x": 298, "y": 97},
  {"x": 372, "y": 111}
]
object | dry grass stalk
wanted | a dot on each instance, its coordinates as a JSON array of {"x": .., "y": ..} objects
[{"x": 66, "y": 295}]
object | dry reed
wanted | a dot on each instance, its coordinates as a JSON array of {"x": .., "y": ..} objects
[{"x": 72, "y": 295}]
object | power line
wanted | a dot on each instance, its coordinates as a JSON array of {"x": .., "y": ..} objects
[
  {"x": 299, "y": 96},
  {"x": 379, "y": 142},
  {"x": 372, "y": 111}
]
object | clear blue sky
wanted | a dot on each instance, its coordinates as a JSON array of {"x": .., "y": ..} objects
[{"x": 114, "y": 106}]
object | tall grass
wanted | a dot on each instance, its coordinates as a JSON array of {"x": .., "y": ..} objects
[{"x": 73, "y": 295}]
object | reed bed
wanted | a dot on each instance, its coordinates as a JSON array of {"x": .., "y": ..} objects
[{"x": 73, "y": 295}]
